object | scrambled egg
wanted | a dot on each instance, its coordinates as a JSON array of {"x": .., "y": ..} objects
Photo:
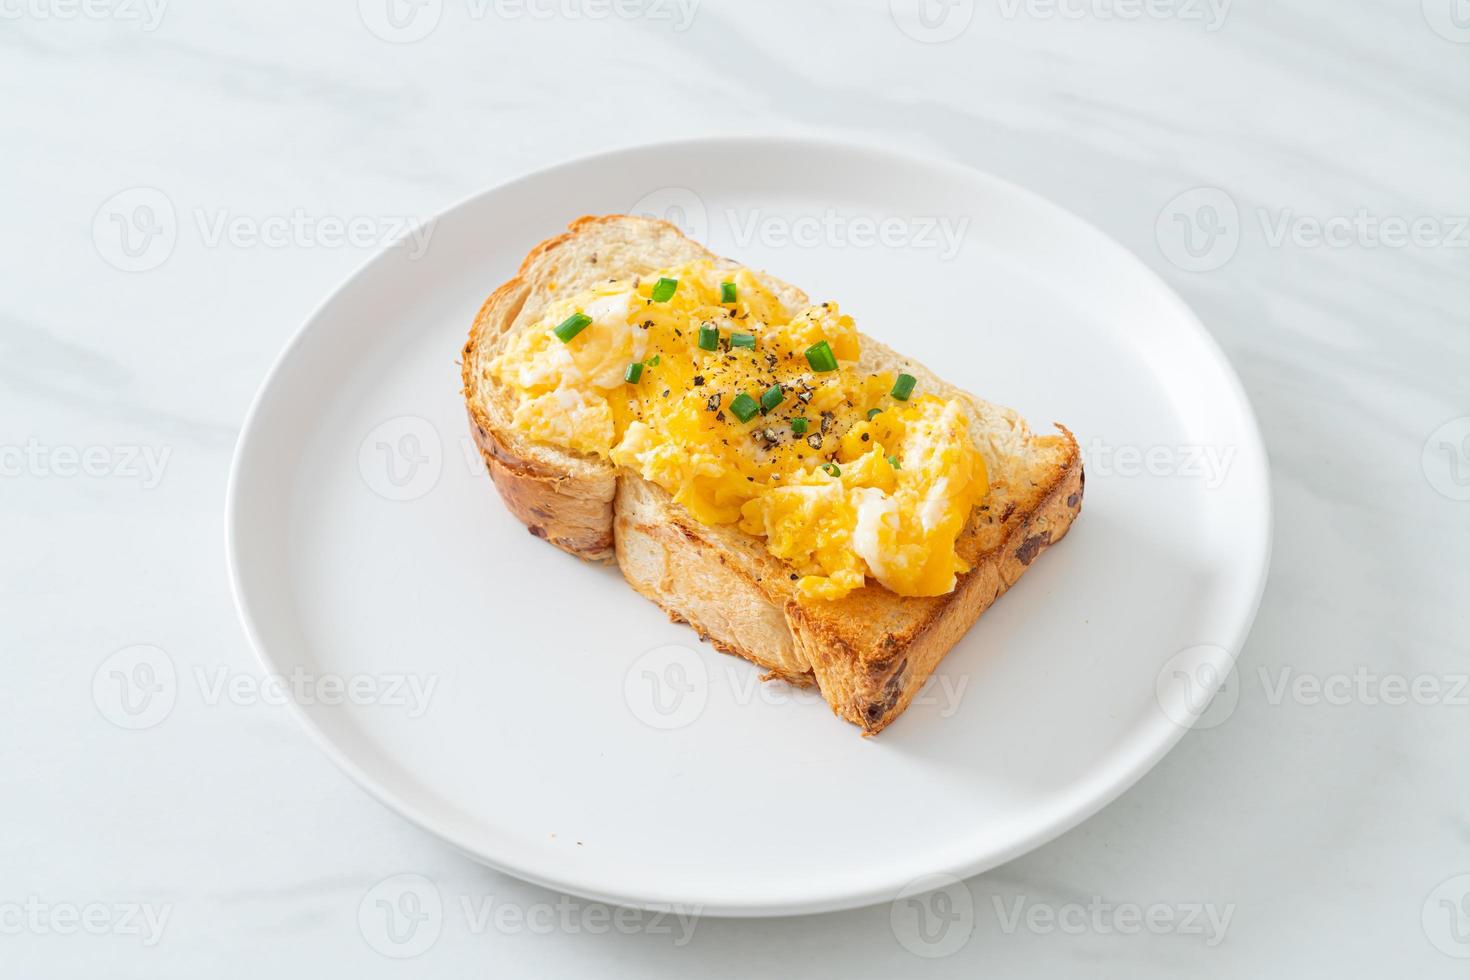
[{"x": 845, "y": 475}]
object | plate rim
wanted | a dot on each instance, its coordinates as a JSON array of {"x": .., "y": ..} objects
[{"x": 1146, "y": 745}]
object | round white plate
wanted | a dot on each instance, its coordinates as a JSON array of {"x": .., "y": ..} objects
[{"x": 539, "y": 715}]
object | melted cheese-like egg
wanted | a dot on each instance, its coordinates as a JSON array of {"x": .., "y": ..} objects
[{"x": 839, "y": 491}]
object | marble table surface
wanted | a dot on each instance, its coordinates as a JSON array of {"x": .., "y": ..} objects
[{"x": 1299, "y": 170}]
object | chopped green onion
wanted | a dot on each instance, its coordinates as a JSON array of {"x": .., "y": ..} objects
[
  {"x": 821, "y": 358},
  {"x": 572, "y": 326},
  {"x": 742, "y": 340},
  {"x": 727, "y": 292},
  {"x": 663, "y": 290},
  {"x": 633, "y": 373},
  {"x": 904, "y": 387},
  {"x": 744, "y": 407},
  {"x": 831, "y": 469},
  {"x": 709, "y": 337},
  {"x": 893, "y": 462},
  {"x": 771, "y": 397},
  {"x": 874, "y": 411},
  {"x": 798, "y": 425},
  {"x": 652, "y": 361}
]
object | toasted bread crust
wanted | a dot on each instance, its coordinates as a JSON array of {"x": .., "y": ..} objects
[{"x": 869, "y": 652}]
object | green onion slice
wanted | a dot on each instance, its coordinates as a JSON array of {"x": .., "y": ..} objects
[
  {"x": 874, "y": 411},
  {"x": 742, "y": 340},
  {"x": 771, "y": 397},
  {"x": 663, "y": 290},
  {"x": 709, "y": 337},
  {"x": 744, "y": 407},
  {"x": 893, "y": 462},
  {"x": 652, "y": 361},
  {"x": 572, "y": 326},
  {"x": 904, "y": 387},
  {"x": 798, "y": 425},
  {"x": 727, "y": 292},
  {"x": 633, "y": 373},
  {"x": 821, "y": 358},
  {"x": 831, "y": 469}
]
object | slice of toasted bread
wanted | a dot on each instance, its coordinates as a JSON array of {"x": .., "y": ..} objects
[{"x": 868, "y": 652}]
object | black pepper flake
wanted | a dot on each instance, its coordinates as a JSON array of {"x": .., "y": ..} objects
[
  {"x": 666, "y": 392},
  {"x": 713, "y": 404},
  {"x": 865, "y": 437},
  {"x": 793, "y": 576},
  {"x": 720, "y": 417},
  {"x": 814, "y": 440},
  {"x": 698, "y": 380}
]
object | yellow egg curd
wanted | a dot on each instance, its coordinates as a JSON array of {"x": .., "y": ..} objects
[{"x": 702, "y": 381}]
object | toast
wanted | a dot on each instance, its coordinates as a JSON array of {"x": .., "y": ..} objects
[{"x": 868, "y": 652}]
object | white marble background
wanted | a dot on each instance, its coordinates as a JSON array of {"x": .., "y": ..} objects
[{"x": 1331, "y": 833}]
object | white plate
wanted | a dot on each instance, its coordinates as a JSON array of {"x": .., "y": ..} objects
[{"x": 575, "y": 737}]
